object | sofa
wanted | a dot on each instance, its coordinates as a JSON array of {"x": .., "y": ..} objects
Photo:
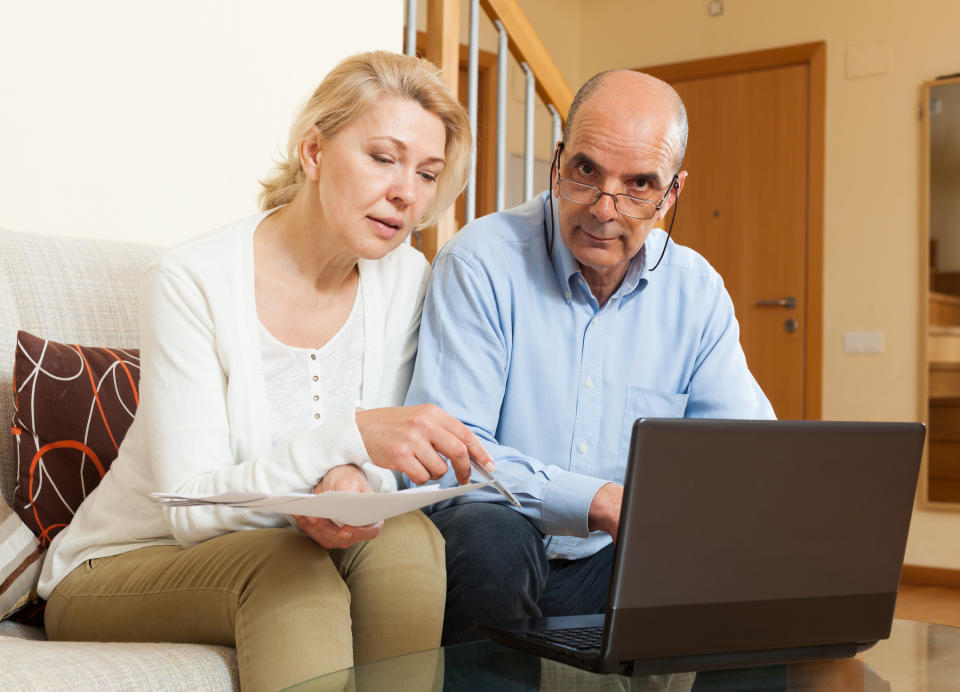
[{"x": 76, "y": 291}]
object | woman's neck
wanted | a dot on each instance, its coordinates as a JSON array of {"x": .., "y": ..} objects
[{"x": 299, "y": 244}]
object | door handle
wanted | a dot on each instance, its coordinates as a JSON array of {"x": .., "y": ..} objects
[{"x": 789, "y": 303}]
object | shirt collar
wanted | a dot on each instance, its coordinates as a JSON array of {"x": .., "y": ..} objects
[{"x": 566, "y": 267}]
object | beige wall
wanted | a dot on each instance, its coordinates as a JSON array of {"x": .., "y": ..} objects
[
  {"x": 154, "y": 123},
  {"x": 872, "y": 256}
]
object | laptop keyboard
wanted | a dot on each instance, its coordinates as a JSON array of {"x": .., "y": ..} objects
[{"x": 579, "y": 638}]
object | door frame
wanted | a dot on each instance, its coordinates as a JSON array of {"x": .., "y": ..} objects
[{"x": 814, "y": 56}]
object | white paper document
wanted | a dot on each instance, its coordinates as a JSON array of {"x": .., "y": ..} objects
[{"x": 355, "y": 509}]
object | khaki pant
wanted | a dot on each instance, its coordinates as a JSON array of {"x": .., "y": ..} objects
[{"x": 292, "y": 609}]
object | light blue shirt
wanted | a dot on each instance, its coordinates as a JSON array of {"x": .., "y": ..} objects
[{"x": 513, "y": 343}]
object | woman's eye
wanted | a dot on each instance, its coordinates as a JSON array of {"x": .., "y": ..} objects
[
  {"x": 380, "y": 158},
  {"x": 429, "y": 177}
]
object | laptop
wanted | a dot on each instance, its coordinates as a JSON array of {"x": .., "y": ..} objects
[{"x": 746, "y": 543}]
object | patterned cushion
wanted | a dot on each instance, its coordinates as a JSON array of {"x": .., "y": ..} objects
[
  {"x": 19, "y": 562},
  {"x": 73, "y": 407}
]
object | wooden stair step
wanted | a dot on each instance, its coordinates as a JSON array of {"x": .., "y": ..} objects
[
  {"x": 944, "y": 380},
  {"x": 943, "y": 344},
  {"x": 944, "y": 309}
]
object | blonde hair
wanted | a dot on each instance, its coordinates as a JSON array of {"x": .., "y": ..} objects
[{"x": 349, "y": 91}]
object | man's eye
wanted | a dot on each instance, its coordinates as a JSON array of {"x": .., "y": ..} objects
[{"x": 585, "y": 169}]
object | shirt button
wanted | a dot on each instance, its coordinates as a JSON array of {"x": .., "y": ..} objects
[
  {"x": 313, "y": 356},
  {"x": 566, "y": 295},
  {"x": 583, "y": 448},
  {"x": 316, "y": 397},
  {"x": 317, "y": 416},
  {"x": 589, "y": 383},
  {"x": 594, "y": 320},
  {"x": 315, "y": 378}
]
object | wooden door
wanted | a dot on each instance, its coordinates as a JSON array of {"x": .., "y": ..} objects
[{"x": 746, "y": 207}]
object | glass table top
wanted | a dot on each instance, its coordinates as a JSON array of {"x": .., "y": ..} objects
[{"x": 917, "y": 657}]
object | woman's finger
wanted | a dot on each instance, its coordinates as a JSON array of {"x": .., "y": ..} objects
[
  {"x": 330, "y": 536},
  {"x": 453, "y": 448},
  {"x": 427, "y": 456}
]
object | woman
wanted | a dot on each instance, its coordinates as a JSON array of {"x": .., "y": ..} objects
[{"x": 274, "y": 354}]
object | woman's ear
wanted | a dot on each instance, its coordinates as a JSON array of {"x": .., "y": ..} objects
[{"x": 311, "y": 150}]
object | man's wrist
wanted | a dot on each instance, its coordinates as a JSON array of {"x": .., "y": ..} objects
[{"x": 604, "y": 512}]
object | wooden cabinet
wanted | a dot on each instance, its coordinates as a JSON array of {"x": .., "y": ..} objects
[{"x": 943, "y": 434}]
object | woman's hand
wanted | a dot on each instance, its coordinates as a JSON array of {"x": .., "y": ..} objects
[
  {"x": 330, "y": 536},
  {"x": 412, "y": 438}
]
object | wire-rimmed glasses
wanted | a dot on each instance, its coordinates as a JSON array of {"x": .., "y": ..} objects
[{"x": 634, "y": 207}]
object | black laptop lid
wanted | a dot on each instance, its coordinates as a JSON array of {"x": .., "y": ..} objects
[{"x": 759, "y": 535}]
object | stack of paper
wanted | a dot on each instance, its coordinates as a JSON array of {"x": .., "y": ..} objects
[{"x": 355, "y": 509}]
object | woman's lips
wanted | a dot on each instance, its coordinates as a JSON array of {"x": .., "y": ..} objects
[{"x": 385, "y": 228}]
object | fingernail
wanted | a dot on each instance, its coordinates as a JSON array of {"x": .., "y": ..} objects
[
  {"x": 489, "y": 465},
  {"x": 347, "y": 534}
]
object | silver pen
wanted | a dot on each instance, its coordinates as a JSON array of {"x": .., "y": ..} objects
[{"x": 482, "y": 470}]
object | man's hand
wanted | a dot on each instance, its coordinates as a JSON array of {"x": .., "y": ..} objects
[
  {"x": 412, "y": 438},
  {"x": 330, "y": 536},
  {"x": 605, "y": 510}
]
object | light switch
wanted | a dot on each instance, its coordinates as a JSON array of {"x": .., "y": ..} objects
[
  {"x": 862, "y": 342},
  {"x": 867, "y": 59}
]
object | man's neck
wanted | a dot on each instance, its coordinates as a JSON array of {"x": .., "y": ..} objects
[{"x": 603, "y": 283}]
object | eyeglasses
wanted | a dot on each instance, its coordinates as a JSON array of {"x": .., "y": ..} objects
[{"x": 634, "y": 207}]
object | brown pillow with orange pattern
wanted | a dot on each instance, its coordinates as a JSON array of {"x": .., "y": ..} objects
[{"x": 74, "y": 405}]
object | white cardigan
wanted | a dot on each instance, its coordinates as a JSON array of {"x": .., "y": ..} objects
[{"x": 202, "y": 425}]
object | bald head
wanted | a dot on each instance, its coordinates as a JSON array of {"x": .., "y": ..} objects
[{"x": 637, "y": 93}]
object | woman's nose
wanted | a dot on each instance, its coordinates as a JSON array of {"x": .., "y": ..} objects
[{"x": 404, "y": 187}]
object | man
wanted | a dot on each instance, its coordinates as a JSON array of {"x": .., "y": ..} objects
[{"x": 549, "y": 334}]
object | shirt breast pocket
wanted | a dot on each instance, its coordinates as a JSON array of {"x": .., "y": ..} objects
[{"x": 645, "y": 403}]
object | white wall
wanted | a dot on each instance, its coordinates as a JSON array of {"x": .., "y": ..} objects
[{"x": 154, "y": 122}]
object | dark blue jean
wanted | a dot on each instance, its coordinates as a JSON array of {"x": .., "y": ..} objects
[{"x": 497, "y": 569}]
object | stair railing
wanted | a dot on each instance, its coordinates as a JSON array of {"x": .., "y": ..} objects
[{"x": 515, "y": 36}]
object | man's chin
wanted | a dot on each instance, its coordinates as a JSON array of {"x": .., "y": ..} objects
[{"x": 598, "y": 258}]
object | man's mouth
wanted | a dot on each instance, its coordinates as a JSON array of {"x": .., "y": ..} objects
[{"x": 596, "y": 238}]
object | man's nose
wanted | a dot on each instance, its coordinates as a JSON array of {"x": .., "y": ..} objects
[{"x": 604, "y": 208}]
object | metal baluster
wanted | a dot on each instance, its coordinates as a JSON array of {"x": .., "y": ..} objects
[
  {"x": 411, "y": 46},
  {"x": 501, "y": 116},
  {"x": 557, "y": 126},
  {"x": 528, "y": 133},
  {"x": 473, "y": 67}
]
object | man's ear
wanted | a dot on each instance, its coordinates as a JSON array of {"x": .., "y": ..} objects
[
  {"x": 553, "y": 167},
  {"x": 674, "y": 193},
  {"x": 678, "y": 186},
  {"x": 311, "y": 150}
]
